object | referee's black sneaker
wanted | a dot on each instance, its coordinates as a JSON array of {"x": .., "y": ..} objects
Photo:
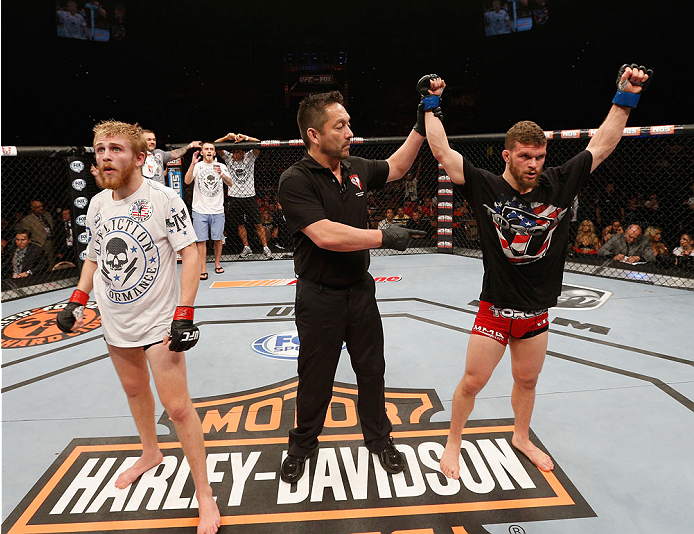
[
  {"x": 293, "y": 467},
  {"x": 391, "y": 458}
]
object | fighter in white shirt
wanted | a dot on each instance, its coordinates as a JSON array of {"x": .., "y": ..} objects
[{"x": 136, "y": 226}]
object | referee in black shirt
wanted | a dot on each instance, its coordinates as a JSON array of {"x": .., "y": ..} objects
[{"x": 324, "y": 200}]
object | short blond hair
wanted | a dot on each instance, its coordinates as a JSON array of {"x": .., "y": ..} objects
[
  {"x": 130, "y": 132},
  {"x": 525, "y": 133}
]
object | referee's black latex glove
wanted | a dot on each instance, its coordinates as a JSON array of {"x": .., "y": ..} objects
[
  {"x": 397, "y": 237},
  {"x": 183, "y": 333}
]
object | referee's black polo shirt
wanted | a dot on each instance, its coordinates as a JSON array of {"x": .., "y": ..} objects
[{"x": 309, "y": 192}]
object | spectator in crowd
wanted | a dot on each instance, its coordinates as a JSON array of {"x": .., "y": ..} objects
[
  {"x": 607, "y": 233},
  {"x": 629, "y": 247},
  {"x": 587, "y": 241},
  {"x": 401, "y": 217},
  {"x": 609, "y": 206},
  {"x": 684, "y": 254},
  {"x": 654, "y": 236},
  {"x": 267, "y": 224},
  {"x": 372, "y": 214},
  {"x": 208, "y": 204},
  {"x": 71, "y": 23},
  {"x": 243, "y": 206},
  {"x": 25, "y": 259},
  {"x": 64, "y": 238},
  {"x": 410, "y": 184},
  {"x": 388, "y": 221},
  {"x": 687, "y": 220},
  {"x": 617, "y": 227},
  {"x": 427, "y": 207},
  {"x": 40, "y": 224},
  {"x": 418, "y": 223},
  {"x": 155, "y": 164},
  {"x": 408, "y": 207},
  {"x": 635, "y": 211},
  {"x": 652, "y": 209}
]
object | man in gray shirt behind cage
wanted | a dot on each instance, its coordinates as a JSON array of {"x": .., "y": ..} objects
[{"x": 629, "y": 247}]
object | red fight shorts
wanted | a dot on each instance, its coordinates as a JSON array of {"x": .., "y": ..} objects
[{"x": 500, "y": 323}]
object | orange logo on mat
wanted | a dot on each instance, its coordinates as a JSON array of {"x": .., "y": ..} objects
[
  {"x": 38, "y": 327},
  {"x": 344, "y": 489}
]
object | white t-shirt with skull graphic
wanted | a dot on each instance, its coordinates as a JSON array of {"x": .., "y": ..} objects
[
  {"x": 208, "y": 190},
  {"x": 134, "y": 243}
]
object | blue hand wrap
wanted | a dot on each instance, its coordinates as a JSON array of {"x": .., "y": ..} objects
[
  {"x": 430, "y": 102},
  {"x": 623, "y": 98}
]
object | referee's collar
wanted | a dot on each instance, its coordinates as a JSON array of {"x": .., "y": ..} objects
[{"x": 313, "y": 164}]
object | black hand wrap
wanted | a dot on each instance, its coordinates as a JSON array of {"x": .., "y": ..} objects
[
  {"x": 429, "y": 101},
  {"x": 628, "y": 99},
  {"x": 72, "y": 311},
  {"x": 643, "y": 85},
  {"x": 397, "y": 237},
  {"x": 183, "y": 333}
]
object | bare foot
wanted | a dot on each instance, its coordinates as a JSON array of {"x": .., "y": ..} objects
[
  {"x": 209, "y": 515},
  {"x": 541, "y": 460},
  {"x": 450, "y": 460},
  {"x": 129, "y": 476}
]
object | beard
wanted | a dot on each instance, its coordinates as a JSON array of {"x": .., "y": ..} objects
[
  {"x": 521, "y": 178},
  {"x": 119, "y": 178}
]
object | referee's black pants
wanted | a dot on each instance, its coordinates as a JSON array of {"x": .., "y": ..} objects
[{"x": 325, "y": 318}]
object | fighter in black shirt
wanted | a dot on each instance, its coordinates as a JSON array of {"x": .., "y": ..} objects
[{"x": 524, "y": 230}]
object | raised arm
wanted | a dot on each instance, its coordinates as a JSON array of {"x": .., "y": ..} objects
[
  {"x": 451, "y": 160},
  {"x": 188, "y": 178},
  {"x": 631, "y": 81},
  {"x": 243, "y": 137},
  {"x": 179, "y": 152},
  {"x": 403, "y": 158}
]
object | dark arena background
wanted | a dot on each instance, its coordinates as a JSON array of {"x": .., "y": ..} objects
[{"x": 618, "y": 385}]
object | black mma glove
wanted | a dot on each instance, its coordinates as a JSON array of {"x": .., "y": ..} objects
[
  {"x": 623, "y": 98},
  {"x": 72, "y": 311},
  {"x": 183, "y": 333},
  {"x": 397, "y": 237},
  {"x": 431, "y": 102}
]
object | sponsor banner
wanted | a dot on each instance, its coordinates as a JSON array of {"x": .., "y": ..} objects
[
  {"x": 82, "y": 189},
  {"x": 662, "y": 130},
  {"x": 175, "y": 176},
  {"x": 9, "y": 150},
  {"x": 38, "y": 326},
  {"x": 343, "y": 491},
  {"x": 282, "y": 282},
  {"x": 570, "y": 134}
]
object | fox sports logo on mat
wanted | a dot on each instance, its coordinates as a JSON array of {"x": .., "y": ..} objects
[{"x": 281, "y": 346}]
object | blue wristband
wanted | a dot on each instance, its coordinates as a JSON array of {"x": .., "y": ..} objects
[
  {"x": 623, "y": 98},
  {"x": 430, "y": 102}
]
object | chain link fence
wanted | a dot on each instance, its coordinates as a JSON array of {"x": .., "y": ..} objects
[{"x": 648, "y": 180}]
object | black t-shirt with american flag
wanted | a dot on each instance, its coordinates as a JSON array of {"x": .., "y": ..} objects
[{"x": 524, "y": 237}]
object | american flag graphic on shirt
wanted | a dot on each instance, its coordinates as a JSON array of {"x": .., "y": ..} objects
[{"x": 524, "y": 228}]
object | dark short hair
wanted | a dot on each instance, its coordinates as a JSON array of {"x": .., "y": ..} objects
[
  {"x": 525, "y": 133},
  {"x": 311, "y": 112},
  {"x": 23, "y": 231}
]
